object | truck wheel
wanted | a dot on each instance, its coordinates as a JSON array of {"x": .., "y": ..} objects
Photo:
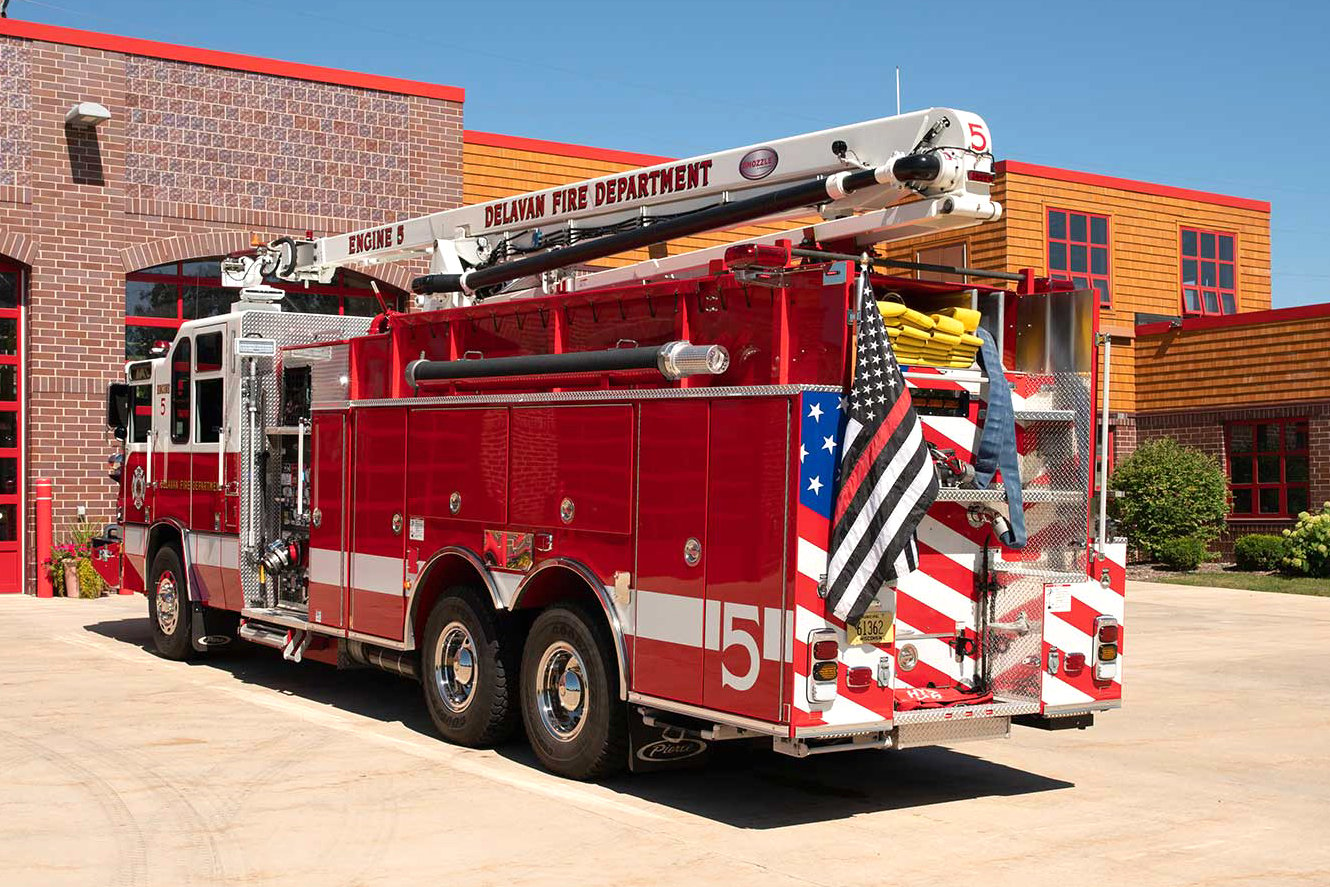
[
  {"x": 168, "y": 605},
  {"x": 469, "y": 670},
  {"x": 575, "y": 721}
]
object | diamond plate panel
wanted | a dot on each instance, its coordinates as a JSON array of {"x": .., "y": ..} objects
[
  {"x": 1055, "y": 470},
  {"x": 286, "y": 329},
  {"x": 947, "y": 732}
]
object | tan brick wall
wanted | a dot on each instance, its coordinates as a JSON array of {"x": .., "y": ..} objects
[{"x": 192, "y": 154}]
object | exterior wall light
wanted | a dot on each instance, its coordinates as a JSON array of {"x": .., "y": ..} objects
[{"x": 86, "y": 115}]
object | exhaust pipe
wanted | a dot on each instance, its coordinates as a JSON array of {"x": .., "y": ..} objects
[{"x": 403, "y": 663}]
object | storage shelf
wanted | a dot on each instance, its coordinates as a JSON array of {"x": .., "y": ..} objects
[
  {"x": 997, "y": 493},
  {"x": 1045, "y": 415}
]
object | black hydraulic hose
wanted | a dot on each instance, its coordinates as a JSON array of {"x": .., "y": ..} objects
[
  {"x": 913, "y": 167},
  {"x": 673, "y": 360}
]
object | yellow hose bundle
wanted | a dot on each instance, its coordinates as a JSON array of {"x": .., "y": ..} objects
[
  {"x": 968, "y": 317},
  {"x": 949, "y": 325}
]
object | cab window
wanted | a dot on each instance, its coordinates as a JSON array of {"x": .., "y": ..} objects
[{"x": 180, "y": 391}]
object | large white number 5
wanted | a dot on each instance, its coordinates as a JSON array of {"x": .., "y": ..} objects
[{"x": 731, "y": 636}]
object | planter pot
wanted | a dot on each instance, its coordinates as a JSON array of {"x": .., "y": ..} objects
[{"x": 71, "y": 579}]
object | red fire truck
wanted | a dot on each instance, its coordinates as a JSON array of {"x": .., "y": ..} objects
[{"x": 595, "y": 501}]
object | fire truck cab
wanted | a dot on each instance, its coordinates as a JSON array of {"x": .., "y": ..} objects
[{"x": 598, "y": 505}]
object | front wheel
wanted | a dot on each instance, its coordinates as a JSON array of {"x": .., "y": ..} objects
[
  {"x": 168, "y": 605},
  {"x": 575, "y": 721}
]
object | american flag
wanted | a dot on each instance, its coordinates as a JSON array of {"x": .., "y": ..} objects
[{"x": 887, "y": 480}]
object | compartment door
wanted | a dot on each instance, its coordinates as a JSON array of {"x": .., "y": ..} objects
[
  {"x": 378, "y": 514},
  {"x": 747, "y": 525},
  {"x": 328, "y": 604},
  {"x": 671, "y": 509}
]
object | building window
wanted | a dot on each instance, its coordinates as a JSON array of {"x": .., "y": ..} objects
[
  {"x": 1268, "y": 467},
  {"x": 1078, "y": 251},
  {"x": 1209, "y": 272},
  {"x": 951, "y": 255},
  {"x": 159, "y": 299}
]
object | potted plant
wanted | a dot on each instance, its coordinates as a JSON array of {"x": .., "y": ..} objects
[{"x": 70, "y": 565}]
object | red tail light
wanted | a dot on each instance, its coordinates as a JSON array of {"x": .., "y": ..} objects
[
  {"x": 753, "y": 255},
  {"x": 859, "y": 678},
  {"x": 978, "y": 175},
  {"x": 1075, "y": 664},
  {"x": 1108, "y": 633},
  {"x": 825, "y": 650}
]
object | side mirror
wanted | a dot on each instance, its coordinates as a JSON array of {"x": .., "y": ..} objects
[{"x": 117, "y": 407}]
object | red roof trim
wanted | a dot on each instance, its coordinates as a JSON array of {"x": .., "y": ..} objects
[
  {"x": 562, "y": 149},
  {"x": 1087, "y": 178},
  {"x": 1249, "y": 318},
  {"x": 234, "y": 61}
]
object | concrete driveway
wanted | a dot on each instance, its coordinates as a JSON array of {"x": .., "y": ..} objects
[{"x": 120, "y": 768}]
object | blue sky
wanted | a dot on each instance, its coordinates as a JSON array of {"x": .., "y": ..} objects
[{"x": 1220, "y": 96}]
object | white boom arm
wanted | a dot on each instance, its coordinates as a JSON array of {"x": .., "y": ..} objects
[{"x": 541, "y": 222}]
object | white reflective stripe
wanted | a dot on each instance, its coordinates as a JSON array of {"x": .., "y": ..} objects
[
  {"x": 840, "y": 712},
  {"x": 711, "y": 636},
  {"x": 771, "y": 618},
  {"x": 937, "y": 596},
  {"x": 936, "y": 653},
  {"x": 957, "y": 429},
  {"x": 378, "y": 574},
  {"x": 325, "y": 566},
  {"x": 214, "y": 550},
  {"x": 1102, "y": 600},
  {"x": 946, "y": 541},
  {"x": 1059, "y": 692},
  {"x": 812, "y": 560},
  {"x": 1066, "y": 638},
  {"x": 1116, "y": 552},
  {"x": 672, "y": 618},
  {"x": 136, "y": 540}
]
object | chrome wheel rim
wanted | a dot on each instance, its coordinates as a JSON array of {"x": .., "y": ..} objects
[
  {"x": 168, "y": 604},
  {"x": 455, "y": 668},
  {"x": 561, "y": 691}
]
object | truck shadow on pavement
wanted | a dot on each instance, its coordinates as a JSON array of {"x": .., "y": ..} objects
[{"x": 741, "y": 785}]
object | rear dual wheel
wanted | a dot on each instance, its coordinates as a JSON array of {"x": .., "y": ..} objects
[
  {"x": 469, "y": 670},
  {"x": 575, "y": 721}
]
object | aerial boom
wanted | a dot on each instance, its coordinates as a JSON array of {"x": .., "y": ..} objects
[{"x": 935, "y": 154}]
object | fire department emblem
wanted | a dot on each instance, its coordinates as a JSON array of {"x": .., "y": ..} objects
[{"x": 138, "y": 486}]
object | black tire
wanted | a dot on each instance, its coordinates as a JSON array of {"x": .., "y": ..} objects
[
  {"x": 471, "y": 694},
  {"x": 168, "y": 605},
  {"x": 589, "y": 739}
]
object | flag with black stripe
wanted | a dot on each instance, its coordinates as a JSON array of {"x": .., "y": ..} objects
[{"x": 886, "y": 480}]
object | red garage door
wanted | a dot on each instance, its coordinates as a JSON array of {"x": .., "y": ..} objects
[{"x": 11, "y": 426}]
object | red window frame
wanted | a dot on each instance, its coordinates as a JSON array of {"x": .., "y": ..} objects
[
  {"x": 1201, "y": 278},
  {"x": 1061, "y": 250},
  {"x": 1250, "y": 487},
  {"x": 346, "y": 285}
]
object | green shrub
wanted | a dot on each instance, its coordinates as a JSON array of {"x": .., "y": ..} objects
[
  {"x": 1168, "y": 492},
  {"x": 1259, "y": 552},
  {"x": 1184, "y": 554},
  {"x": 1309, "y": 545},
  {"x": 91, "y": 583}
]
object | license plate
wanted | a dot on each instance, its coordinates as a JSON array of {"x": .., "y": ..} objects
[{"x": 872, "y": 628}]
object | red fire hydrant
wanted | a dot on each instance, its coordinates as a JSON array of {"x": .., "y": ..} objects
[{"x": 43, "y": 499}]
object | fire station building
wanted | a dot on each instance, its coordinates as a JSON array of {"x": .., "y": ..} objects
[{"x": 128, "y": 167}]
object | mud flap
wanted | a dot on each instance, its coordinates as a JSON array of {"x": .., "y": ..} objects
[
  {"x": 662, "y": 747},
  {"x": 211, "y": 628}
]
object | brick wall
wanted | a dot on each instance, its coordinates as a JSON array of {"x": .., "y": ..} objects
[
  {"x": 1204, "y": 430},
  {"x": 191, "y": 155}
]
